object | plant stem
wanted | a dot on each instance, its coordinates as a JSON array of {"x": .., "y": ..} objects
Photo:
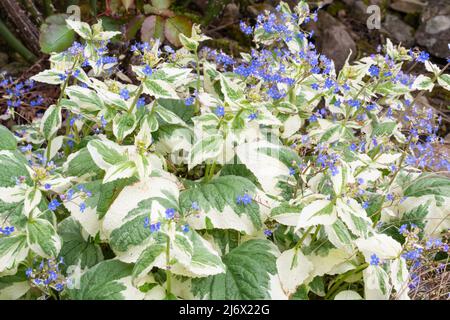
[
  {"x": 136, "y": 97},
  {"x": 197, "y": 101},
  {"x": 15, "y": 43},
  {"x": 168, "y": 273},
  {"x": 300, "y": 242},
  {"x": 342, "y": 278},
  {"x": 48, "y": 8}
]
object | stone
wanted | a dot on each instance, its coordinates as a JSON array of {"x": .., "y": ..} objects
[
  {"x": 434, "y": 29},
  {"x": 408, "y": 6},
  {"x": 334, "y": 40},
  {"x": 398, "y": 31},
  {"x": 3, "y": 59},
  {"x": 13, "y": 69}
]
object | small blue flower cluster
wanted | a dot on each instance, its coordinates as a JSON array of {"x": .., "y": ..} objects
[
  {"x": 245, "y": 199},
  {"x": 6, "y": 231},
  {"x": 421, "y": 253},
  {"x": 47, "y": 275},
  {"x": 17, "y": 94}
]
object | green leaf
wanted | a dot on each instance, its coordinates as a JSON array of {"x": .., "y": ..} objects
[
  {"x": 217, "y": 201},
  {"x": 85, "y": 99},
  {"x": 12, "y": 165},
  {"x": 123, "y": 224},
  {"x": 48, "y": 76},
  {"x": 121, "y": 170},
  {"x": 159, "y": 89},
  {"x": 231, "y": 90},
  {"x": 7, "y": 139},
  {"x": 428, "y": 184},
  {"x": 55, "y": 35},
  {"x": 161, "y": 4},
  {"x": 319, "y": 212},
  {"x": 444, "y": 81},
  {"x": 80, "y": 163},
  {"x": 208, "y": 148},
  {"x": 175, "y": 26},
  {"x": 13, "y": 287},
  {"x": 77, "y": 249},
  {"x": 108, "y": 280},
  {"x": 43, "y": 239},
  {"x": 152, "y": 28},
  {"x": 13, "y": 250},
  {"x": 106, "y": 153},
  {"x": 123, "y": 125},
  {"x": 250, "y": 274},
  {"x": 82, "y": 28},
  {"x": 51, "y": 121},
  {"x": 179, "y": 108},
  {"x": 384, "y": 129}
]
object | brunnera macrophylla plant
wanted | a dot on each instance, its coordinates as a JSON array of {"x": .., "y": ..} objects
[{"x": 202, "y": 176}]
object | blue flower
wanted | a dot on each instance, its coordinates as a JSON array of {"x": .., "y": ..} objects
[
  {"x": 245, "y": 199},
  {"x": 245, "y": 28},
  {"x": 354, "y": 103},
  {"x": 312, "y": 118},
  {"x": 403, "y": 229},
  {"x": 365, "y": 205},
  {"x": 124, "y": 94},
  {"x": 170, "y": 213},
  {"x": 220, "y": 111},
  {"x": 7, "y": 230},
  {"x": 189, "y": 101},
  {"x": 374, "y": 260},
  {"x": 59, "y": 287},
  {"x": 195, "y": 205},
  {"x": 147, "y": 70},
  {"x": 140, "y": 103},
  {"x": 374, "y": 71},
  {"x": 53, "y": 205},
  {"x": 155, "y": 227},
  {"x": 253, "y": 116},
  {"x": 28, "y": 272},
  {"x": 291, "y": 171},
  {"x": 185, "y": 228},
  {"x": 82, "y": 207},
  {"x": 423, "y": 56},
  {"x": 268, "y": 232},
  {"x": 390, "y": 196}
]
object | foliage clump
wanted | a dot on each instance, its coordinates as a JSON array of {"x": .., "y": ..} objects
[{"x": 201, "y": 175}]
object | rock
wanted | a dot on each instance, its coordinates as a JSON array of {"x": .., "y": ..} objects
[
  {"x": 13, "y": 69},
  {"x": 255, "y": 9},
  {"x": 434, "y": 30},
  {"x": 3, "y": 59},
  {"x": 334, "y": 40},
  {"x": 408, "y": 6},
  {"x": 230, "y": 14},
  {"x": 359, "y": 11},
  {"x": 398, "y": 30}
]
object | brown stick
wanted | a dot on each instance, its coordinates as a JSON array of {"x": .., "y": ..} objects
[{"x": 27, "y": 31}]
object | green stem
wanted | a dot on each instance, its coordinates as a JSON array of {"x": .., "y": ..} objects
[
  {"x": 93, "y": 5},
  {"x": 197, "y": 101},
  {"x": 15, "y": 43},
  {"x": 378, "y": 213},
  {"x": 136, "y": 97},
  {"x": 342, "y": 278},
  {"x": 168, "y": 273},
  {"x": 48, "y": 8},
  {"x": 302, "y": 239}
]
